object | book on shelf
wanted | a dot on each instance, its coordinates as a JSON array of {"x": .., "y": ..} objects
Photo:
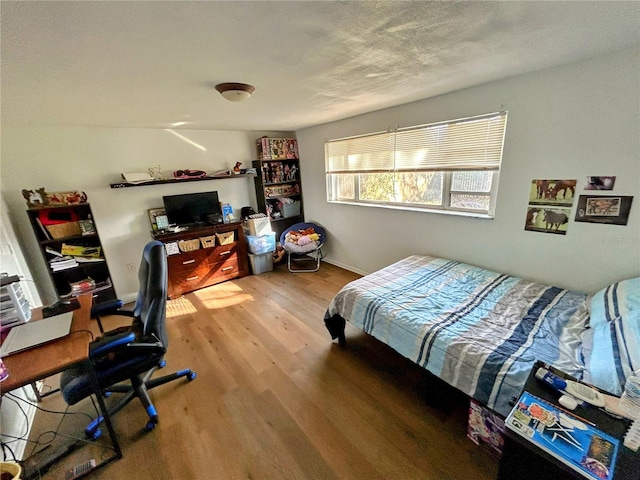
[
  {"x": 570, "y": 439},
  {"x": 62, "y": 263}
]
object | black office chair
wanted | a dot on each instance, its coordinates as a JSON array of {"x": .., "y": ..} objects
[
  {"x": 303, "y": 252},
  {"x": 130, "y": 354}
]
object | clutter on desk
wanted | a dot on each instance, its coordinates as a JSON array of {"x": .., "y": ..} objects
[{"x": 14, "y": 305}]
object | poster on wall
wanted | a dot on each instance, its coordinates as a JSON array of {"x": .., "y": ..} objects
[
  {"x": 552, "y": 192},
  {"x": 547, "y": 220},
  {"x": 612, "y": 210},
  {"x": 600, "y": 183},
  {"x": 549, "y": 206}
]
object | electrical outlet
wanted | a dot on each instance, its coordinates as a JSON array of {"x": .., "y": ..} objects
[{"x": 131, "y": 267}]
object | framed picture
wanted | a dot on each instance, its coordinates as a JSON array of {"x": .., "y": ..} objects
[
  {"x": 612, "y": 210},
  {"x": 155, "y": 215}
]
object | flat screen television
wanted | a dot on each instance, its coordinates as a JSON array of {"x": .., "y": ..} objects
[{"x": 191, "y": 208}]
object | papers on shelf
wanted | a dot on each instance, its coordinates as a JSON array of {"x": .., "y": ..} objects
[
  {"x": 137, "y": 177},
  {"x": 62, "y": 263}
]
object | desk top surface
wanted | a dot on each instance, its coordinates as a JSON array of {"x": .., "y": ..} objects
[
  {"x": 627, "y": 461},
  {"x": 44, "y": 360}
]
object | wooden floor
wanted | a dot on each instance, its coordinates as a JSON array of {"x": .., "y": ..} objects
[{"x": 275, "y": 398}]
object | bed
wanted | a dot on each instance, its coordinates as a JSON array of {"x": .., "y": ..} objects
[{"x": 481, "y": 331}]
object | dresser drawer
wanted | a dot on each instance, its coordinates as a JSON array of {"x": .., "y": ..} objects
[
  {"x": 203, "y": 275},
  {"x": 205, "y": 256}
]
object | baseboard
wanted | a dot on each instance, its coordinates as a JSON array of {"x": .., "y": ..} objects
[{"x": 346, "y": 267}]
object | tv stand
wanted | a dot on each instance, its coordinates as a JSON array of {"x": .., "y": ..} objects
[{"x": 198, "y": 268}]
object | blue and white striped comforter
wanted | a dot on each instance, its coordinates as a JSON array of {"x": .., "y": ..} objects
[{"x": 478, "y": 330}]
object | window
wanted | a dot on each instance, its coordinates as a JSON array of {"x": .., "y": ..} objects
[{"x": 448, "y": 166}]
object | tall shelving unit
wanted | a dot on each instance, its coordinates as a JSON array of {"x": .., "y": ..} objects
[
  {"x": 278, "y": 180},
  {"x": 73, "y": 226}
]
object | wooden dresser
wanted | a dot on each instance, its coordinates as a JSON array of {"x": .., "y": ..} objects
[{"x": 206, "y": 265}]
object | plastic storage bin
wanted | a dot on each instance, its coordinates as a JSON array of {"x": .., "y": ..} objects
[
  {"x": 261, "y": 263},
  {"x": 290, "y": 209},
  {"x": 262, "y": 243}
]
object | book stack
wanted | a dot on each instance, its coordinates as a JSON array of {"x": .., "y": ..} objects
[{"x": 62, "y": 263}]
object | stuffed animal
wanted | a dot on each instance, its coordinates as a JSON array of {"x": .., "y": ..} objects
[{"x": 302, "y": 237}]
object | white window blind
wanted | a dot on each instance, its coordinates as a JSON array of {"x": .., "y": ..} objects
[
  {"x": 367, "y": 154},
  {"x": 469, "y": 144}
]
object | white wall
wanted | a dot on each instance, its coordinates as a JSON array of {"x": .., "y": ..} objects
[
  {"x": 564, "y": 123},
  {"x": 89, "y": 159}
]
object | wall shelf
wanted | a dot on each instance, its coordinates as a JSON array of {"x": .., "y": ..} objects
[{"x": 124, "y": 184}]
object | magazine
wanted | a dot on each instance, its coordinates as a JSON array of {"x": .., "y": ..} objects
[{"x": 570, "y": 439}]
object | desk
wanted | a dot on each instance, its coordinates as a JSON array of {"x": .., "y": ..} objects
[
  {"x": 523, "y": 460},
  {"x": 29, "y": 366}
]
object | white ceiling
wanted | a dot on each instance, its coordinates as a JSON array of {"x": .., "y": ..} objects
[{"x": 154, "y": 64}]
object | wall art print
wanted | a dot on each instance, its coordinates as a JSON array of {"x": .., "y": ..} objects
[
  {"x": 600, "y": 183},
  {"x": 547, "y": 220},
  {"x": 607, "y": 209},
  {"x": 552, "y": 192},
  {"x": 549, "y": 208}
]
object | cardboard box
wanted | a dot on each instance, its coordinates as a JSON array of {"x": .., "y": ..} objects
[{"x": 259, "y": 226}]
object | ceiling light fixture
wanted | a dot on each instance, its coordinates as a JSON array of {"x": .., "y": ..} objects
[{"x": 235, "y": 92}]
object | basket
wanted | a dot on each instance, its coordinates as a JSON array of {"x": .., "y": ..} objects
[
  {"x": 189, "y": 245},
  {"x": 208, "y": 242},
  {"x": 225, "y": 238},
  {"x": 61, "y": 230}
]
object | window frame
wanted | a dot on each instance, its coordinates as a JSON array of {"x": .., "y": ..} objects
[{"x": 494, "y": 166}]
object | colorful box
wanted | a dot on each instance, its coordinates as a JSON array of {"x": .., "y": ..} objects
[
  {"x": 485, "y": 428},
  {"x": 277, "y": 148}
]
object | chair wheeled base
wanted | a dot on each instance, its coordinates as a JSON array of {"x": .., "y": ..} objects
[{"x": 139, "y": 387}]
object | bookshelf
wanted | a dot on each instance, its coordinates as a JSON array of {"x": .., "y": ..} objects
[
  {"x": 71, "y": 248},
  {"x": 278, "y": 182}
]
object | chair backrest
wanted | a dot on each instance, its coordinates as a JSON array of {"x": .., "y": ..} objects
[
  {"x": 152, "y": 298},
  {"x": 303, "y": 226}
]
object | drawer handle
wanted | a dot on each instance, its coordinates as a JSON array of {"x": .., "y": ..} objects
[
  {"x": 227, "y": 268},
  {"x": 192, "y": 278},
  {"x": 187, "y": 262},
  {"x": 228, "y": 252}
]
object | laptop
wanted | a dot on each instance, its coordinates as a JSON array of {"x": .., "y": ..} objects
[{"x": 32, "y": 334}]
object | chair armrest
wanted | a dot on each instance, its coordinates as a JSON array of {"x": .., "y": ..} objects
[
  {"x": 106, "y": 308},
  {"x": 110, "y": 343},
  {"x": 145, "y": 348}
]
